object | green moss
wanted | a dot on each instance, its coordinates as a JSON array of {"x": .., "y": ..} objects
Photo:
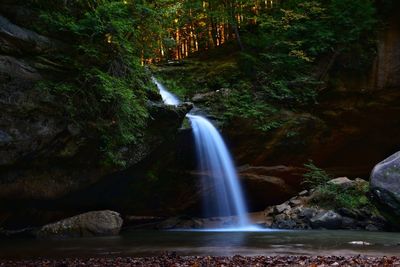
[{"x": 332, "y": 196}]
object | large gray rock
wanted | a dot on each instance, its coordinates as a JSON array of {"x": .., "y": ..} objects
[
  {"x": 327, "y": 219},
  {"x": 94, "y": 223},
  {"x": 385, "y": 183}
]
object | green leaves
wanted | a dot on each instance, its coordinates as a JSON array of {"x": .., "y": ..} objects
[
  {"x": 105, "y": 92},
  {"x": 315, "y": 176}
]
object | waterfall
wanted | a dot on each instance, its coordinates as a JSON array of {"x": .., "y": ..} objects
[
  {"x": 215, "y": 165},
  {"x": 218, "y": 170},
  {"x": 167, "y": 97}
]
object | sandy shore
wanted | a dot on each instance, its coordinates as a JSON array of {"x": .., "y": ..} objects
[{"x": 171, "y": 260}]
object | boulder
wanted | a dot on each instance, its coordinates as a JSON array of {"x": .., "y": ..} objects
[
  {"x": 343, "y": 182},
  {"x": 327, "y": 219},
  {"x": 94, "y": 223},
  {"x": 385, "y": 183}
]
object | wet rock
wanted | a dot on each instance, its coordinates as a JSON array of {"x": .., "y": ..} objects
[
  {"x": 349, "y": 223},
  {"x": 385, "y": 183},
  {"x": 327, "y": 219},
  {"x": 372, "y": 228},
  {"x": 95, "y": 223},
  {"x": 21, "y": 233}
]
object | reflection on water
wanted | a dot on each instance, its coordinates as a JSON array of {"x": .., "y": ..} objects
[{"x": 149, "y": 243}]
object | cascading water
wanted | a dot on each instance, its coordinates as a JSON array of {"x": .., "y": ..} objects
[
  {"x": 218, "y": 170},
  {"x": 216, "y": 166},
  {"x": 167, "y": 97}
]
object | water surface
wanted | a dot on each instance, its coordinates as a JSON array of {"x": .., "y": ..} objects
[{"x": 152, "y": 243}]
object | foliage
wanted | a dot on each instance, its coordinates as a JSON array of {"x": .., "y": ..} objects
[
  {"x": 104, "y": 85},
  {"x": 288, "y": 51},
  {"x": 240, "y": 103},
  {"x": 315, "y": 176},
  {"x": 333, "y": 196},
  {"x": 112, "y": 111},
  {"x": 286, "y": 44}
]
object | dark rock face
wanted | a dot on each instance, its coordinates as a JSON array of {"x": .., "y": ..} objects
[
  {"x": 385, "y": 183},
  {"x": 385, "y": 73},
  {"x": 95, "y": 223},
  {"x": 268, "y": 185},
  {"x": 43, "y": 156},
  {"x": 15, "y": 40}
]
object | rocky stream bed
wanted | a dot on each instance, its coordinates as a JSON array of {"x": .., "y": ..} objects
[{"x": 171, "y": 259}]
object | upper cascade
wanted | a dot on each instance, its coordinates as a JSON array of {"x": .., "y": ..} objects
[{"x": 168, "y": 98}]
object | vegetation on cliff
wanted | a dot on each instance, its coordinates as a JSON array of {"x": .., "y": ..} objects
[{"x": 104, "y": 87}]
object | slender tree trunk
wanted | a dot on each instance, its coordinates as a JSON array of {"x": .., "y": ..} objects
[
  {"x": 214, "y": 34},
  {"x": 238, "y": 39},
  {"x": 235, "y": 25}
]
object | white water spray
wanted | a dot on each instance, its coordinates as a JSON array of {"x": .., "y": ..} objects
[
  {"x": 168, "y": 98},
  {"x": 216, "y": 166}
]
